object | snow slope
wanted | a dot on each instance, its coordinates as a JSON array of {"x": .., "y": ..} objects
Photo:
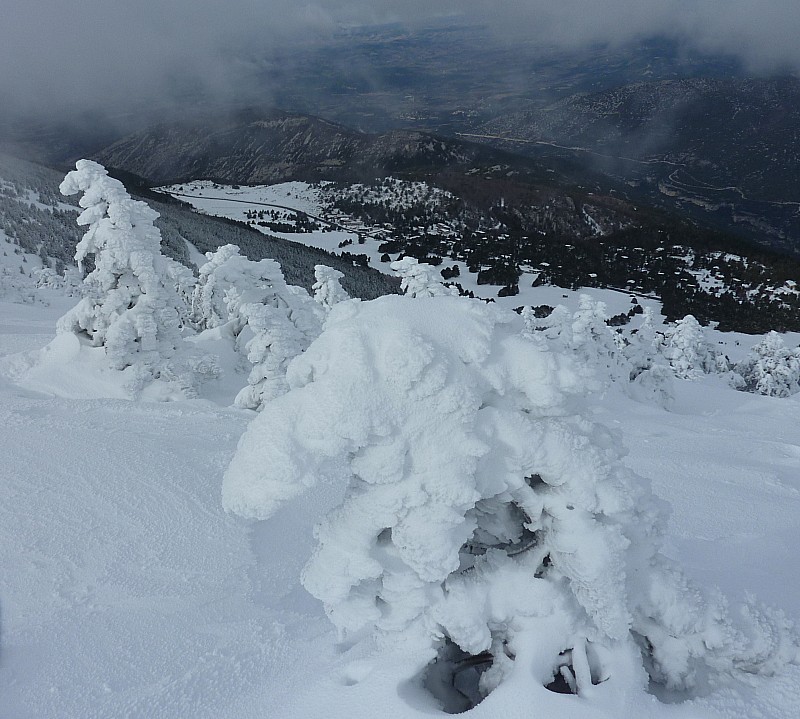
[{"x": 126, "y": 591}]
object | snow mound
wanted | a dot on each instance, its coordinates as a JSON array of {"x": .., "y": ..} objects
[{"x": 484, "y": 519}]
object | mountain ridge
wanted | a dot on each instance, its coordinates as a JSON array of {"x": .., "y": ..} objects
[{"x": 278, "y": 146}]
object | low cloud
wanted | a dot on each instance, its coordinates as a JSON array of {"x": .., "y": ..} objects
[{"x": 63, "y": 57}]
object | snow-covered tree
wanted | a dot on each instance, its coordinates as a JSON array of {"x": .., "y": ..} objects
[
  {"x": 228, "y": 281},
  {"x": 688, "y": 352},
  {"x": 131, "y": 308},
  {"x": 269, "y": 321},
  {"x": 280, "y": 332},
  {"x": 45, "y": 277},
  {"x": 649, "y": 375},
  {"x": 583, "y": 334},
  {"x": 183, "y": 282},
  {"x": 593, "y": 340},
  {"x": 770, "y": 369},
  {"x": 328, "y": 290},
  {"x": 418, "y": 279},
  {"x": 135, "y": 300},
  {"x": 555, "y": 327},
  {"x": 484, "y": 520}
]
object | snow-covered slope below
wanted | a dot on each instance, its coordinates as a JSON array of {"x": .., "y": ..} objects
[
  {"x": 339, "y": 233},
  {"x": 126, "y": 591}
]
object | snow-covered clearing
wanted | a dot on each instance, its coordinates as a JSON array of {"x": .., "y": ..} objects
[{"x": 127, "y": 591}]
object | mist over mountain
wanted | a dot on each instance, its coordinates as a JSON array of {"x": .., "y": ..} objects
[
  {"x": 144, "y": 54},
  {"x": 721, "y": 150},
  {"x": 260, "y": 147}
]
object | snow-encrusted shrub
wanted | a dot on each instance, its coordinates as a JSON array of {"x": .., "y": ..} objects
[
  {"x": 484, "y": 519},
  {"x": 328, "y": 290},
  {"x": 770, "y": 369},
  {"x": 418, "y": 279},
  {"x": 131, "y": 305},
  {"x": 688, "y": 352}
]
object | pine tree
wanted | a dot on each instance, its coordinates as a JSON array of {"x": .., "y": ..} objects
[
  {"x": 327, "y": 289},
  {"x": 771, "y": 369},
  {"x": 130, "y": 309}
]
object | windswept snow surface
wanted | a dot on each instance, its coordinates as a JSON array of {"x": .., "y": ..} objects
[{"x": 126, "y": 591}]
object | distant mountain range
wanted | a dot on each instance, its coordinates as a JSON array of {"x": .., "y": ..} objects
[
  {"x": 259, "y": 148},
  {"x": 727, "y": 151}
]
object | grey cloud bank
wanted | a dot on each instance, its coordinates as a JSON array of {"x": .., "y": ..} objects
[{"x": 56, "y": 56}]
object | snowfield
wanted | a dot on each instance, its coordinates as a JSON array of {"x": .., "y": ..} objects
[
  {"x": 128, "y": 592},
  {"x": 126, "y": 589}
]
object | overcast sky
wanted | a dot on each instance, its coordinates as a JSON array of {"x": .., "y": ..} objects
[{"x": 96, "y": 52}]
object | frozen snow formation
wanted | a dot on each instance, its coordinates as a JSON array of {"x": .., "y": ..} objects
[
  {"x": 328, "y": 290},
  {"x": 270, "y": 321},
  {"x": 418, "y": 279},
  {"x": 484, "y": 523},
  {"x": 688, "y": 352},
  {"x": 133, "y": 305}
]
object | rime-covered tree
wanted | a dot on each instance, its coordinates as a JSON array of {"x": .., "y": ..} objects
[
  {"x": 136, "y": 300},
  {"x": 485, "y": 520},
  {"x": 649, "y": 375},
  {"x": 688, "y": 352},
  {"x": 328, "y": 290},
  {"x": 131, "y": 308},
  {"x": 280, "y": 331},
  {"x": 228, "y": 281},
  {"x": 269, "y": 321},
  {"x": 592, "y": 340},
  {"x": 418, "y": 279},
  {"x": 771, "y": 369},
  {"x": 583, "y": 334}
]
